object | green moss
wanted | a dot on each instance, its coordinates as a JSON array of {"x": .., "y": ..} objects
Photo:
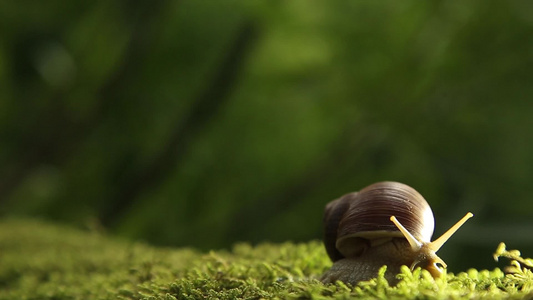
[{"x": 44, "y": 261}]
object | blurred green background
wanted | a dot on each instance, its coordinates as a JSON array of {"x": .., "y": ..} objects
[{"x": 205, "y": 123}]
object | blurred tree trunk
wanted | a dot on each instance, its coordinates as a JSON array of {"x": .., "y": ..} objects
[{"x": 204, "y": 109}]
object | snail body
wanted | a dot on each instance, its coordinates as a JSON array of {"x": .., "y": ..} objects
[{"x": 386, "y": 223}]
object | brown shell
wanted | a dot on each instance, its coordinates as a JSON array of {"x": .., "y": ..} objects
[
  {"x": 357, "y": 221},
  {"x": 333, "y": 214}
]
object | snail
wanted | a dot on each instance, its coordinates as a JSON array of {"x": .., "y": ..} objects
[{"x": 386, "y": 223}]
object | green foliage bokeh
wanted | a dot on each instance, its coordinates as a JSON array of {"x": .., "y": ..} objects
[{"x": 204, "y": 123}]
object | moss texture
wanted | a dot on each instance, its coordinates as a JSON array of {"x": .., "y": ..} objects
[{"x": 44, "y": 261}]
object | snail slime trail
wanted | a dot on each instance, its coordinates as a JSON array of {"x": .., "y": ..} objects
[{"x": 386, "y": 223}]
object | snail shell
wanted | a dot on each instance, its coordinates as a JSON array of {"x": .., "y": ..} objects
[
  {"x": 386, "y": 223},
  {"x": 357, "y": 218}
]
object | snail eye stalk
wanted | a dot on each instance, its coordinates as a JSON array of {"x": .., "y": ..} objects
[
  {"x": 436, "y": 244},
  {"x": 415, "y": 244}
]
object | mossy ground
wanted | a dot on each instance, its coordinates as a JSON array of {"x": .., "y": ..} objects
[{"x": 44, "y": 261}]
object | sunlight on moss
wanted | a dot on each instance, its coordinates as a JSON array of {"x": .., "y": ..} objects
[{"x": 44, "y": 261}]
